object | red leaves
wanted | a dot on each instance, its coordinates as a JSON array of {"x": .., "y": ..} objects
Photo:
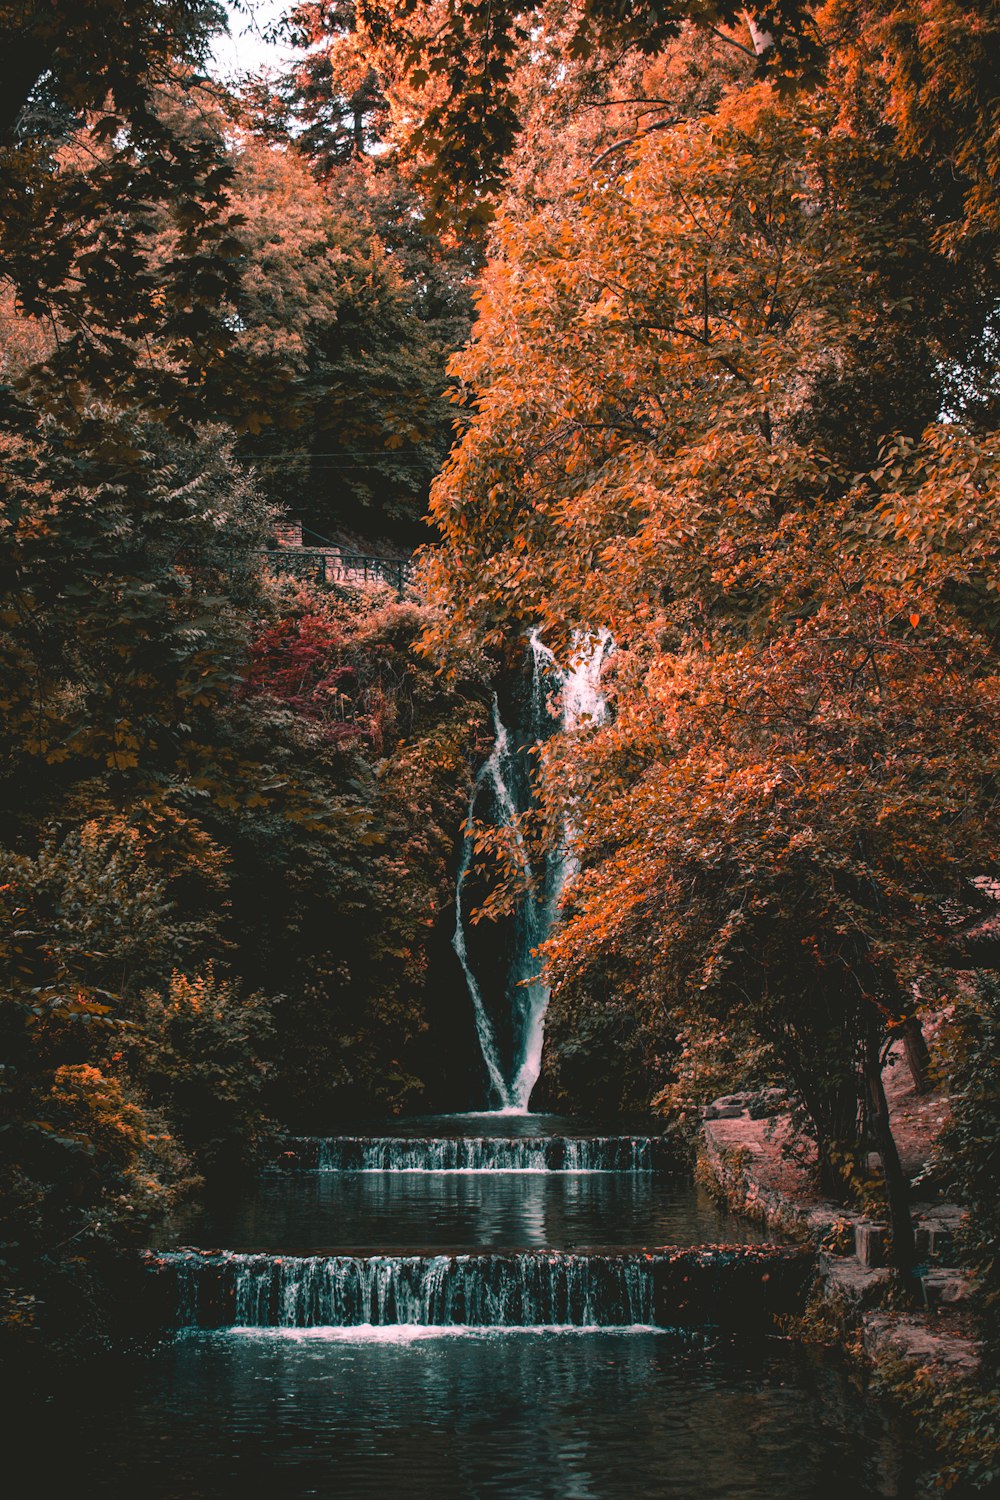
[{"x": 299, "y": 662}]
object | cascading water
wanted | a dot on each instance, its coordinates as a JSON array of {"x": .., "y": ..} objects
[
  {"x": 557, "y": 1153},
  {"x": 490, "y": 773},
  {"x": 577, "y": 690},
  {"x": 734, "y": 1285},
  {"x": 342, "y": 1291},
  {"x": 340, "y": 1260}
]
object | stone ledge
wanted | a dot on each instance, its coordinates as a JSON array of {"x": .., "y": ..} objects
[
  {"x": 946, "y": 1286},
  {"x": 845, "y": 1277},
  {"x": 739, "y": 1158},
  {"x": 908, "y": 1338}
]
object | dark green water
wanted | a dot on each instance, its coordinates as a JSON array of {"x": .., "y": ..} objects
[
  {"x": 396, "y": 1211},
  {"x": 465, "y": 1415},
  {"x": 455, "y": 1413}
]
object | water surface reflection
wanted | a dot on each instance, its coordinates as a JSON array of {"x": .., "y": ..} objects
[
  {"x": 392, "y": 1211},
  {"x": 467, "y": 1416}
]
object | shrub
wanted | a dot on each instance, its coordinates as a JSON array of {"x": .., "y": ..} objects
[{"x": 970, "y": 1142}]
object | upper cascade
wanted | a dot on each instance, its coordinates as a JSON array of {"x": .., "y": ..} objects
[
  {"x": 563, "y": 699},
  {"x": 611, "y": 1153}
]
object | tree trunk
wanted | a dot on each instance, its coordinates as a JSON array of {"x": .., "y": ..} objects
[
  {"x": 762, "y": 40},
  {"x": 918, "y": 1058},
  {"x": 897, "y": 1188},
  {"x": 833, "y": 1113}
]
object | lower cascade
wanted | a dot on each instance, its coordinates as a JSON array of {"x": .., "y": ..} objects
[
  {"x": 343, "y": 1291},
  {"x": 698, "y": 1286},
  {"x": 612, "y": 1153}
]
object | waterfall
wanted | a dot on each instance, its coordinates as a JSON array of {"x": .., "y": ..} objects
[
  {"x": 578, "y": 693},
  {"x": 342, "y": 1291},
  {"x": 737, "y": 1286},
  {"x": 493, "y": 772},
  {"x": 590, "y": 1154},
  {"x": 582, "y": 698}
]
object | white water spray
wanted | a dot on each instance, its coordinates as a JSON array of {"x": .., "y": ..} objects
[
  {"x": 580, "y": 702},
  {"x": 484, "y": 1026}
]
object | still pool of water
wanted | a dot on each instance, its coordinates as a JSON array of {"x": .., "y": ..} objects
[
  {"x": 464, "y": 1415},
  {"x": 392, "y": 1211},
  {"x": 513, "y": 1124}
]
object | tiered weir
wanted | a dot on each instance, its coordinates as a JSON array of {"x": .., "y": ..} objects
[
  {"x": 542, "y": 1230},
  {"x": 344, "y": 1291},
  {"x": 389, "y": 1153},
  {"x": 731, "y": 1286}
]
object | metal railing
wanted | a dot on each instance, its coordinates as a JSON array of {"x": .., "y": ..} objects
[{"x": 329, "y": 566}]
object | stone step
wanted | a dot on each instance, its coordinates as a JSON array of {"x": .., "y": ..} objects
[
  {"x": 521, "y": 1153},
  {"x": 732, "y": 1286}
]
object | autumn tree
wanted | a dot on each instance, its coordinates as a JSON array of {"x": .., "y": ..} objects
[
  {"x": 355, "y": 420},
  {"x": 171, "y": 295},
  {"x": 325, "y": 114},
  {"x": 705, "y": 394},
  {"x": 457, "y": 69}
]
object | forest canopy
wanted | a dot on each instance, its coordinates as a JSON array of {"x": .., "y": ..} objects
[
  {"x": 229, "y": 800},
  {"x": 667, "y": 320},
  {"x": 731, "y": 396}
]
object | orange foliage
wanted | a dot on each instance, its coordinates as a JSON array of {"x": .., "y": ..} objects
[{"x": 705, "y": 411}]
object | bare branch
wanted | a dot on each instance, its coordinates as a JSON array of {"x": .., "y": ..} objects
[{"x": 633, "y": 139}]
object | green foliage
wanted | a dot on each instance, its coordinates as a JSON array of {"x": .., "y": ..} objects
[
  {"x": 355, "y": 422},
  {"x": 970, "y": 1142},
  {"x": 216, "y": 790},
  {"x": 88, "y": 1162},
  {"x": 595, "y": 1055},
  {"x": 330, "y": 102},
  {"x": 199, "y": 1050},
  {"x": 96, "y": 54},
  {"x": 956, "y": 1423},
  {"x": 709, "y": 1061},
  {"x": 221, "y": 877},
  {"x": 116, "y": 233},
  {"x": 127, "y": 572},
  {"x": 121, "y": 631},
  {"x": 344, "y": 919}
]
